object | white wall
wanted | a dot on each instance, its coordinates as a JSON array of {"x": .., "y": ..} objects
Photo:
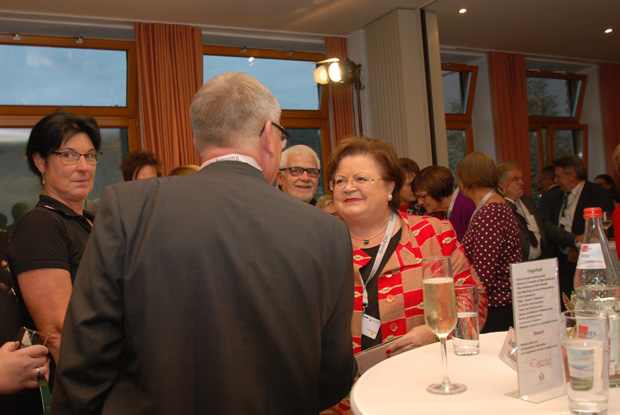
[
  {"x": 592, "y": 116},
  {"x": 356, "y": 47},
  {"x": 482, "y": 113}
]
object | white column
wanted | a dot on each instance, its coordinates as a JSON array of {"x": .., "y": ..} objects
[{"x": 398, "y": 88}]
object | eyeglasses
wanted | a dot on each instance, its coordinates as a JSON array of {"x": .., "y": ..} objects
[
  {"x": 72, "y": 157},
  {"x": 285, "y": 134},
  {"x": 423, "y": 197},
  {"x": 298, "y": 171},
  {"x": 359, "y": 181}
]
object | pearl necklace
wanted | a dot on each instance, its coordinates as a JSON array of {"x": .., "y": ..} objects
[{"x": 367, "y": 240}]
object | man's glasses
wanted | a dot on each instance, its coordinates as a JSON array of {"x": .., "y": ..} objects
[
  {"x": 285, "y": 134},
  {"x": 359, "y": 181},
  {"x": 298, "y": 171},
  {"x": 72, "y": 157}
]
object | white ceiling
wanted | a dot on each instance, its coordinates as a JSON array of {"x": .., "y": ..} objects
[{"x": 555, "y": 28}]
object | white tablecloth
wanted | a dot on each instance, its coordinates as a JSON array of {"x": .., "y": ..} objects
[{"x": 398, "y": 385}]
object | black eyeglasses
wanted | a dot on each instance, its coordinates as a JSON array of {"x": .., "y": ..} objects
[
  {"x": 298, "y": 171},
  {"x": 285, "y": 134},
  {"x": 72, "y": 157}
]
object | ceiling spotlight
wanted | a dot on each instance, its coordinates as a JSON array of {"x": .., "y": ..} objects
[
  {"x": 609, "y": 30},
  {"x": 16, "y": 36},
  {"x": 251, "y": 59},
  {"x": 244, "y": 50},
  {"x": 463, "y": 10},
  {"x": 79, "y": 40},
  {"x": 289, "y": 53}
]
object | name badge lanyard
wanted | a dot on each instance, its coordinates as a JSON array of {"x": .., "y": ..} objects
[
  {"x": 454, "y": 195},
  {"x": 382, "y": 248},
  {"x": 241, "y": 158},
  {"x": 484, "y": 199}
]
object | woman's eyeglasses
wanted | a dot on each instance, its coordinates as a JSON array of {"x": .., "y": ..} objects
[
  {"x": 359, "y": 181},
  {"x": 72, "y": 157}
]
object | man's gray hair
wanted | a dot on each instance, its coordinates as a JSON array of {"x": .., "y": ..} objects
[
  {"x": 230, "y": 110},
  {"x": 298, "y": 150},
  {"x": 505, "y": 168}
]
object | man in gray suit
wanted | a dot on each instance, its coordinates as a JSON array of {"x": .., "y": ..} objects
[
  {"x": 212, "y": 293},
  {"x": 536, "y": 232}
]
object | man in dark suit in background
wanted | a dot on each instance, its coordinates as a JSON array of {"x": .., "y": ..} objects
[
  {"x": 536, "y": 232},
  {"x": 564, "y": 205},
  {"x": 212, "y": 293}
]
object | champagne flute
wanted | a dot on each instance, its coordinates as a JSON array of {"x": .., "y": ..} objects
[
  {"x": 607, "y": 221},
  {"x": 440, "y": 314}
]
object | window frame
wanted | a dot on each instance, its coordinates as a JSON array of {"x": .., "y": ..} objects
[
  {"x": 59, "y": 42},
  {"x": 463, "y": 121},
  {"x": 578, "y": 99},
  {"x": 318, "y": 119},
  {"x": 551, "y": 128},
  {"x": 26, "y": 116}
]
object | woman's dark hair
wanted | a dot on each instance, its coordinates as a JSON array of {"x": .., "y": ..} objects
[
  {"x": 437, "y": 181},
  {"x": 380, "y": 150},
  {"x": 610, "y": 181},
  {"x": 54, "y": 129},
  {"x": 136, "y": 160}
]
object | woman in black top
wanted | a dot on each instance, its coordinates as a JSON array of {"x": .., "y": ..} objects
[{"x": 48, "y": 242}]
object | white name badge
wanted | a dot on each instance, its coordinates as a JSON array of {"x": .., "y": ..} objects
[{"x": 370, "y": 326}]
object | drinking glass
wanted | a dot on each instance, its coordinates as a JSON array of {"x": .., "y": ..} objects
[
  {"x": 585, "y": 349},
  {"x": 440, "y": 314},
  {"x": 466, "y": 334},
  {"x": 607, "y": 220}
]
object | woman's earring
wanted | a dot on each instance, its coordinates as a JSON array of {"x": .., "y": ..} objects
[{"x": 390, "y": 197}]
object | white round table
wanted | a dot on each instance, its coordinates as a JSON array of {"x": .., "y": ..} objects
[{"x": 398, "y": 385}]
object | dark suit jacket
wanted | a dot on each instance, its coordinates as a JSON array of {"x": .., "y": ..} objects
[
  {"x": 592, "y": 195},
  {"x": 212, "y": 293},
  {"x": 549, "y": 232}
]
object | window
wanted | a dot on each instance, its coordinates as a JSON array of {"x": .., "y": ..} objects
[
  {"x": 44, "y": 75},
  {"x": 459, "y": 85},
  {"x": 20, "y": 185},
  {"x": 553, "y": 95},
  {"x": 291, "y": 82},
  {"x": 289, "y": 77},
  {"x": 40, "y": 74},
  {"x": 554, "y": 107}
]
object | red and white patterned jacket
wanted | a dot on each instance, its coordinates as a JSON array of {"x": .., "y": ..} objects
[{"x": 401, "y": 304}]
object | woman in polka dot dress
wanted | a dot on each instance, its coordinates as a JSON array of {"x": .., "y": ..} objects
[{"x": 491, "y": 242}]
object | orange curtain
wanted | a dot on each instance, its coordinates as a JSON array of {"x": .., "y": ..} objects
[
  {"x": 340, "y": 101},
  {"x": 510, "y": 118},
  {"x": 169, "y": 74},
  {"x": 610, "y": 87}
]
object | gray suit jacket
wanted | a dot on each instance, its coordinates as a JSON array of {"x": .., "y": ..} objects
[
  {"x": 213, "y": 293},
  {"x": 549, "y": 232}
]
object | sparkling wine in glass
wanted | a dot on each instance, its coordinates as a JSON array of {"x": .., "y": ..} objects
[
  {"x": 607, "y": 221},
  {"x": 440, "y": 314}
]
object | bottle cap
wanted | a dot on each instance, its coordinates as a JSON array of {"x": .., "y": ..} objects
[{"x": 592, "y": 212}]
